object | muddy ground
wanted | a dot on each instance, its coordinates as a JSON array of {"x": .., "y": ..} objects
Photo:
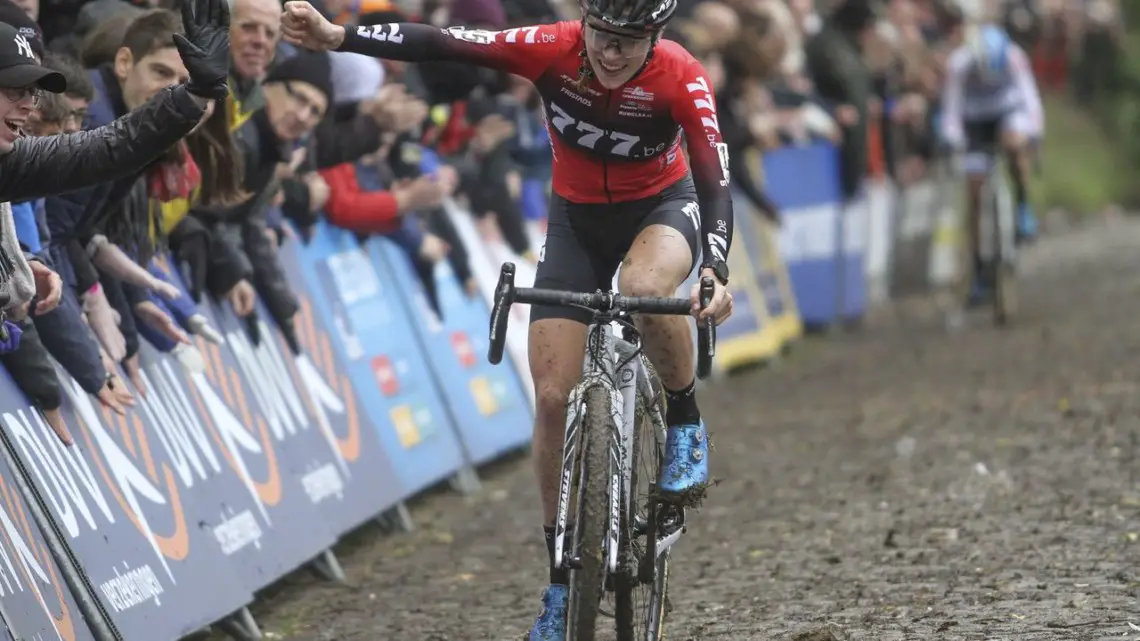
[{"x": 895, "y": 483}]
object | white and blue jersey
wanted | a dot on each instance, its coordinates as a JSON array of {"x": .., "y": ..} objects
[{"x": 990, "y": 79}]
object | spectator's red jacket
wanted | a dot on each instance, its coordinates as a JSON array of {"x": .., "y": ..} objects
[{"x": 351, "y": 208}]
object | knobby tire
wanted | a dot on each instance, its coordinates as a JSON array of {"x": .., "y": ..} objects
[
  {"x": 587, "y": 582},
  {"x": 1004, "y": 295}
]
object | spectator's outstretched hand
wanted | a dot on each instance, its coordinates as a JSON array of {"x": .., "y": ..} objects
[
  {"x": 433, "y": 248},
  {"x": 58, "y": 425},
  {"x": 115, "y": 395},
  {"x": 49, "y": 287},
  {"x": 169, "y": 291},
  {"x": 134, "y": 372},
  {"x": 425, "y": 192},
  {"x": 304, "y": 26},
  {"x": 243, "y": 297},
  {"x": 153, "y": 315},
  {"x": 205, "y": 49},
  {"x": 104, "y": 321}
]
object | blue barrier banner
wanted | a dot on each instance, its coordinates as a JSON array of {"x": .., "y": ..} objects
[
  {"x": 247, "y": 478},
  {"x": 534, "y": 200},
  {"x": 307, "y": 402},
  {"x": 371, "y": 337},
  {"x": 282, "y": 467},
  {"x": 37, "y": 602},
  {"x": 804, "y": 183},
  {"x": 487, "y": 402},
  {"x": 319, "y": 375},
  {"x": 127, "y": 499}
]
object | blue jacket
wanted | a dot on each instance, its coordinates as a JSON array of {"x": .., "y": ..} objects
[
  {"x": 27, "y": 229},
  {"x": 180, "y": 309}
]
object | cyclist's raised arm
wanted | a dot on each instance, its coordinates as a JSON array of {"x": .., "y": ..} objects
[
  {"x": 953, "y": 88},
  {"x": 694, "y": 108},
  {"x": 525, "y": 51}
]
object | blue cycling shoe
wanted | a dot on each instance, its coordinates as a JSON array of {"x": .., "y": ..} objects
[
  {"x": 982, "y": 287},
  {"x": 1026, "y": 223},
  {"x": 685, "y": 472},
  {"x": 979, "y": 292},
  {"x": 551, "y": 623}
]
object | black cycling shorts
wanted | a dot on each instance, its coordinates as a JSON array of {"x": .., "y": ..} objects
[
  {"x": 585, "y": 243},
  {"x": 984, "y": 134}
]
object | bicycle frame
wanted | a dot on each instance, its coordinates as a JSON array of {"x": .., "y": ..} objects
[
  {"x": 995, "y": 191},
  {"x": 622, "y": 379}
]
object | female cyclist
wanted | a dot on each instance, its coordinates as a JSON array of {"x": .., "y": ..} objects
[{"x": 617, "y": 99}]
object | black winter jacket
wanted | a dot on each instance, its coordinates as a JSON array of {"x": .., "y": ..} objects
[{"x": 38, "y": 167}]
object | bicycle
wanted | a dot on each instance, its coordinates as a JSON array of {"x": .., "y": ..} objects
[
  {"x": 998, "y": 237},
  {"x": 620, "y": 541}
]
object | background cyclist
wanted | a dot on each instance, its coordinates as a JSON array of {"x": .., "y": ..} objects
[
  {"x": 616, "y": 99},
  {"x": 990, "y": 96}
]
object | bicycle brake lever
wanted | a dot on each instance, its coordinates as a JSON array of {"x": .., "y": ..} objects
[
  {"x": 708, "y": 290},
  {"x": 500, "y": 313},
  {"x": 706, "y": 335}
]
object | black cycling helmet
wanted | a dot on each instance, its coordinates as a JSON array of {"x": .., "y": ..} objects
[{"x": 637, "y": 15}]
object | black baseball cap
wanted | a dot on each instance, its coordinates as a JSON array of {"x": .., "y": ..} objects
[
  {"x": 18, "y": 65},
  {"x": 15, "y": 16}
]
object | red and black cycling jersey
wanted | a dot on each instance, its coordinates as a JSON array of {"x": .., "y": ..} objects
[{"x": 610, "y": 146}]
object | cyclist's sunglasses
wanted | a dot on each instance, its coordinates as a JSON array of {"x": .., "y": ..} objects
[{"x": 627, "y": 46}]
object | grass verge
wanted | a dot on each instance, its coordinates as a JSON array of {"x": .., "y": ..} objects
[{"x": 1082, "y": 170}]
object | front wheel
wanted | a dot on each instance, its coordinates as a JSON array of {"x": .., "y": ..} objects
[
  {"x": 587, "y": 581},
  {"x": 1004, "y": 235},
  {"x": 642, "y": 583}
]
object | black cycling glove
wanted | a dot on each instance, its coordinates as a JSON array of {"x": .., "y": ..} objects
[{"x": 205, "y": 49}]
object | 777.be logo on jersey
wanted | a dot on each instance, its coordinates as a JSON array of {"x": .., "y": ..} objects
[{"x": 529, "y": 35}]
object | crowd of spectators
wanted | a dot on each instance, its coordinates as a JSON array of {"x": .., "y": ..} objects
[{"x": 376, "y": 147}]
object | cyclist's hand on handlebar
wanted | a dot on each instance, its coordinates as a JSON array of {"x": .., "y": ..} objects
[{"x": 721, "y": 306}]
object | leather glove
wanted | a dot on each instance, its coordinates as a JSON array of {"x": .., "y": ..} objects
[{"x": 205, "y": 49}]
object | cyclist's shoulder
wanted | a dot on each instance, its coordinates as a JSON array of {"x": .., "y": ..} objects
[
  {"x": 673, "y": 68},
  {"x": 673, "y": 57}
]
